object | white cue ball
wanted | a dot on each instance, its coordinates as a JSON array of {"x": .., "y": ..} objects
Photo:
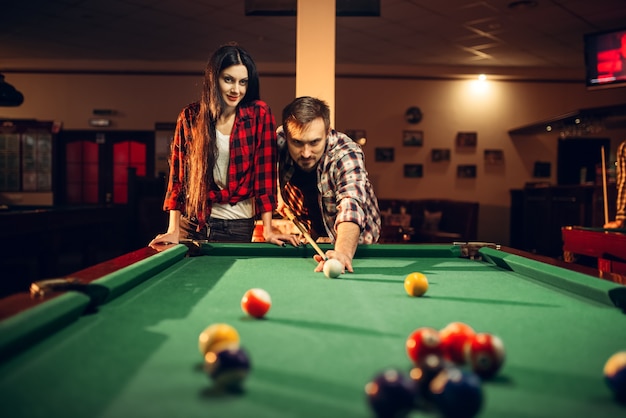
[{"x": 332, "y": 268}]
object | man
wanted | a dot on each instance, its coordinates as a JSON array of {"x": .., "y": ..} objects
[
  {"x": 620, "y": 216},
  {"x": 323, "y": 181}
]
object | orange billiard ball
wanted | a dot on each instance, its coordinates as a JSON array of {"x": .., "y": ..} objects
[
  {"x": 217, "y": 337},
  {"x": 416, "y": 284},
  {"x": 615, "y": 375},
  {"x": 454, "y": 336},
  {"x": 256, "y": 302}
]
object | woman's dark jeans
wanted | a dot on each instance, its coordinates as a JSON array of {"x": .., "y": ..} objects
[{"x": 224, "y": 230}]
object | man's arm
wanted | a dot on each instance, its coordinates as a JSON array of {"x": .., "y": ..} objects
[
  {"x": 620, "y": 216},
  {"x": 345, "y": 246}
]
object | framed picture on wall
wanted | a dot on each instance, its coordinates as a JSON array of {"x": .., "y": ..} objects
[
  {"x": 413, "y": 138},
  {"x": 439, "y": 155},
  {"x": 413, "y": 170},
  {"x": 466, "y": 139},
  {"x": 494, "y": 156},
  {"x": 384, "y": 155},
  {"x": 466, "y": 171}
]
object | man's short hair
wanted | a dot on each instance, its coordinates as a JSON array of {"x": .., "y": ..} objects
[{"x": 303, "y": 110}]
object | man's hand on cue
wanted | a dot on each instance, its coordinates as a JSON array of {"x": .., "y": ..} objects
[{"x": 342, "y": 258}]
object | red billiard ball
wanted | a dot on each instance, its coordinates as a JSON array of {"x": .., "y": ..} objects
[
  {"x": 457, "y": 393},
  {"x": 615, "y": 375},
  {"x": 390, "y": 394},
  {"x": 256, "y": 303},
  {"x": 422, "y": 342},
  {"x": 454, "y": 336},
  {"x": 485, "y": 354}
]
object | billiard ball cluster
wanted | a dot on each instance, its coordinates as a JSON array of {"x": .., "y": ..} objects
[
  {"x": 615, "y": 375},
  {"x": 449, "y": 390},
  {"x": 225, "y": 361},
  {"x": 459, "y": 344},
  {"x": 448, "y": 367},
  {"x": 440, "y": 380}
]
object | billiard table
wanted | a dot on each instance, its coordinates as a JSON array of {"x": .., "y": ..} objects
[
  {"x": 606, "y": 246},
  {"x": 120, "y": 339}
]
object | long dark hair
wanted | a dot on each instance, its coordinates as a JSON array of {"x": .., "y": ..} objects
[{"x": 202, "y": 151}]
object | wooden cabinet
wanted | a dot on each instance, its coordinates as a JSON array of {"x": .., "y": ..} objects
[
  {"x": 26, "y": 162},
  {"x": 538, "y": 213}
]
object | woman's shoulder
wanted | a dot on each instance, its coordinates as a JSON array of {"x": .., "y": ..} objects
[{"x": 191, "y": 109}]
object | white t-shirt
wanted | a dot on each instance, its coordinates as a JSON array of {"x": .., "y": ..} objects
[{"x": 241, "y": 210}]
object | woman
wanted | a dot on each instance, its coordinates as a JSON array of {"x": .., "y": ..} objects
[{"x": 223, "y": 158}]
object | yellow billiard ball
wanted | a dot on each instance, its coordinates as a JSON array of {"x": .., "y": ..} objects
[
  {"x": 416, "y": 284},
  {"x": 217, "y": 337}
]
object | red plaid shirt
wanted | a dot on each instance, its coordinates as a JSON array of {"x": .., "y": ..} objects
[{"x": 252, "y": 165}]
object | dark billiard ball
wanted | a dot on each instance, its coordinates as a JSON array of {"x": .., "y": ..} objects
[
  {"x": 391, "y": 394},
  {"x": 228, "y": 368},
  {"x": 457, "y": 393},
  {"x": 422, "y": 374},
  {"x": 615, "y": 375},
  {"x": 485, "y": 354},
  {"x": 422, "y": 342}
]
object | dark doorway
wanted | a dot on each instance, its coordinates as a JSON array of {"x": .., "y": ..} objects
[{"x": 579, "y": 158}]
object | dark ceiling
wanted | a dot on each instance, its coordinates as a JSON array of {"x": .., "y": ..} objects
[{"x": 463, "y": 33}]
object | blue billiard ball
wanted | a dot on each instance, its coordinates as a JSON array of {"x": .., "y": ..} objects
[
  {"x": 391, "y": 394},
  {"x": 457, "y": 393},
  {"x": 615, "y": 375},
  {"x": 228, "y": 368}
]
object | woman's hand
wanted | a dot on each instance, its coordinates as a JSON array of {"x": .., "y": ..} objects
[
  {"x": 163, "y": 239},
  {"x": 280, "y": 239}
]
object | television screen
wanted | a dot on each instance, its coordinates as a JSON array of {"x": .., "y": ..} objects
[{"x": 605, "y": 58}]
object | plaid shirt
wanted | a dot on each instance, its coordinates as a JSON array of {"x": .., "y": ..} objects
[
  {"x": 345, "y": 193},
  {"x": 621, "y": 182},
  {"x": 252, "y": 165}
]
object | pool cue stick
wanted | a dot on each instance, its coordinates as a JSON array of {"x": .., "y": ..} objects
[
  {"x": 606, "y": 206},
  {"x": 302, "y": 229}
]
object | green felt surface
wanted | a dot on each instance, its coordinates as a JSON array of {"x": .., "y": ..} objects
[{"x": 322, "y": 340}]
